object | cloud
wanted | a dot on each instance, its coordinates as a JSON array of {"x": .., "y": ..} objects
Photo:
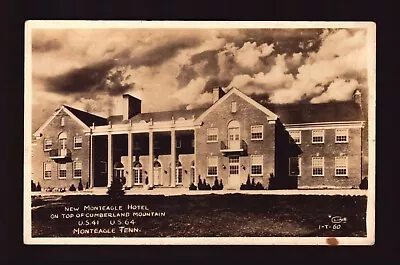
[
  {"x": 339, "y": 90},
  {"x": 342, "y": 55},
  {"x": 173, "y": 68}
]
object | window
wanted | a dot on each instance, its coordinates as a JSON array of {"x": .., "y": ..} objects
[
  {"x": 136, "y": 145},
  {"x": 234, "y": 165},
  {"x": 212, "y": 166},
  {"x": 341, "y": 166},
  {"x": 296, "y": 136},
  {"x": 341, "y": 136},
  {"x": 77, "y": 142},
  {"x": 257, "y": 132},
  {"x": 62, "y": 121},
  {"x": 317, "y": 166},
  {"x": 234, "y": 107},
  {"x": 47, "y": 167},
  {"x": 294, "y": 166},
  {"x": 48, "y": 144},
  {"x": 156, "y": 144},
  {"x": 178, "y": 172},
  {"x": 212, "y": 135},
  {"x": 256, "y": 165},
  {"x": 62, "y": 171},
  {"x": 137, "y": 173},
  {"x": 317, "y": 136},
  {"x": 78, "y": 169}
]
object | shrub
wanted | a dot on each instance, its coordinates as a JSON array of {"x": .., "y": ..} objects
[
  {"x": 80, "y": 186},
  {"x": 33, "y": 186},
  {"x": 221, "y": 185},
  {"x": 217, "y": 185},
  {"x": 192, "y": 187},
  {"x": 146, "y": 181},
  {"x": 116, "y": 190},
  {"x": 364, "y": 184},
  {"x": 72, "y": 188},
  {"x": 87, "y": 185},
  {"x": 204, "y": 185},
  {"x": 38, "y": 187},
  {"x": 251, "y": 185},
  {"x": 200, "y": 184},
  {"x": 272, "y": 182},
  {"x": 259, "y": 186}
]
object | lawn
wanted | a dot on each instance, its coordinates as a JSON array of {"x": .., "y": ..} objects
[{"x": 226, "y": 215}]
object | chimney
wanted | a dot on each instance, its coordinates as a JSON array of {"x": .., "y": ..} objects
[
  {"x": 132, "y": 106},
  {"x": 357, "y": 97},
  {"x": 217, "y": 93}
]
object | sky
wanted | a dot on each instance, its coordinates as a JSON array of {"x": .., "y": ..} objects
[{"x": 169, "y": 69}]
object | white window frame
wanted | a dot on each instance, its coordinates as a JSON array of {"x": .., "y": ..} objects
[
  {"x": 214, "y": 134},
  {"x": 75, "y": 169},
  {"x": 314, "y": 166},
  {"x": 45, "y": 145},
  {"x": 346, "y": 166},
  {"x": 44, "y": 169},
  {"x": 313, "y": 134},
  {"x": 76, "y": 142},
  {"x": 299, "y": 162},
  {"x": 234, "y": 107},
  {"x": 296, "y": 133},
  {"x": 252, "y": 163},
  {"x": 338, "y": 135},
  {"x": 234, "y": 165},
  {"x": 252, "y": 130},
  {"x": 208, "y": 166},
  {"x": 137, "y": 173},
  {"x": 59, "y": 171}
]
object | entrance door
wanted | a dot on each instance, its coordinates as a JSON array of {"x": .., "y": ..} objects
[
  {"x": 157, "y": 173},
  {"x": 233, "y": 136},
  {"x": 234, "y": 177}
]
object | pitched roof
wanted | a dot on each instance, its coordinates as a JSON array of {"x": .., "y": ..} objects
[
  {"x": 86, "y": 117},
  {"x": 312, "y": 113},
  {"x": 159, "y": 116}
]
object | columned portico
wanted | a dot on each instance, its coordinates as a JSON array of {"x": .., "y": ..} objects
[
  {"x": 173, "y": 157},
  {"x": 151, "y": 159},
  {"x": 109, "y": 160}
]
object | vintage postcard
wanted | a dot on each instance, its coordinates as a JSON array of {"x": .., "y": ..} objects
[{"x": 199, "y": 133}]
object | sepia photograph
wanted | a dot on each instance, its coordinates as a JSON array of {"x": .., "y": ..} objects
[{"x": 199, "y": 133}]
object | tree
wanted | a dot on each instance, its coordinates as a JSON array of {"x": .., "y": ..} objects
[{"x": 116, "y": 188}]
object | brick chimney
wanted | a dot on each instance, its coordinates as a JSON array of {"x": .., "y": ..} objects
[
  {"x": 132, "y": 106},
  {"x": 217, "y": 93},
  {"x": 357, "y": 97}
]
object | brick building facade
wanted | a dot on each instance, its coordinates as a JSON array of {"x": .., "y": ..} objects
[{"x": 236, "y": 138}]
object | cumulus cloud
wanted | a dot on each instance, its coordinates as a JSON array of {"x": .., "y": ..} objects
[
  {"x": 342, "y": 55},
  {"x": 176, "y": 68}
]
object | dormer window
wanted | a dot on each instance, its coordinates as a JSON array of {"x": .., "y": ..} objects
[{"x": 234, "y": 107}]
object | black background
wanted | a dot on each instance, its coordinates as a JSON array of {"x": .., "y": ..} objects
[{"x": 13, "y": 16}]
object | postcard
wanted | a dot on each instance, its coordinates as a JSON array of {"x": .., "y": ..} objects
[{"x": 199, "y": 133}]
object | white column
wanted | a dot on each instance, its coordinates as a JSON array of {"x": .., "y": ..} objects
[
  {"x": 110, "y": 165},
  {"x": 173, "y": 157},
  {"x": 195, "y": 162},
  {"x": 129, "y": 179},
  {"x": 91, "y": 176},
  {"x": 151, "y": 159}
]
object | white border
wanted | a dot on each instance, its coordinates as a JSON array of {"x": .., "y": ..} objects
[{"x": 371, "y": 61}]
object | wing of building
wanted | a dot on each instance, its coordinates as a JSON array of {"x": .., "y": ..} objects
[{"x": 234, "y": 141}]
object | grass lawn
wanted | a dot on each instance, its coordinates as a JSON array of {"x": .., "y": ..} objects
[{"x": 207, "y": 216}]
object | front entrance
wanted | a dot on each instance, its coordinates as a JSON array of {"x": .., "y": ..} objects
[
  {"x": 234, "y": 176},
  {"x": 157, "y": 173}
]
